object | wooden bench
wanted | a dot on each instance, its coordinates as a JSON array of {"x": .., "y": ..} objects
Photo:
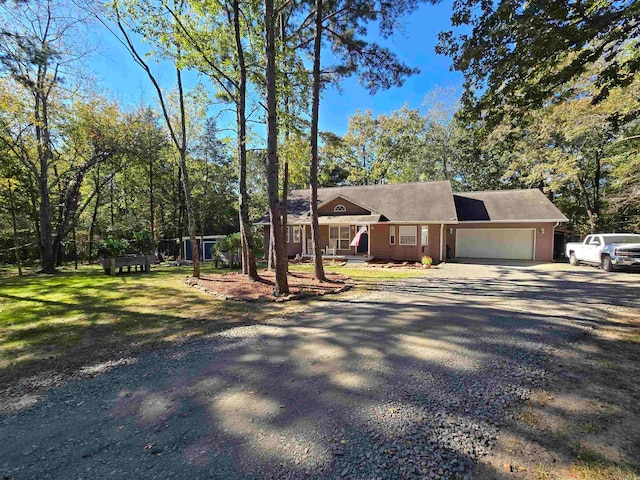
[{"x": 109, "y": 264}]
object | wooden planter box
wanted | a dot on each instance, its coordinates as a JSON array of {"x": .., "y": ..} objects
[{"x": 109, "y": 264}]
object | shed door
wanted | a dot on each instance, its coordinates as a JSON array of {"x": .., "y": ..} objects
[{"x": 506, "y": 243}]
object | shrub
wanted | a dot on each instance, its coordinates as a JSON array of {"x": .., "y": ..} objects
[
  {"x": 426, "y": 260},
  {"x": 231, "y": 243},
  {"x": 142, "y": 241},
  {"x": 112, "y": 247}
]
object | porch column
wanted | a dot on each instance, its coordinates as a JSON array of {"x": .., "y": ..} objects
[
  {"x": 304, "y": 239},
  {"x": 441, "y": 240},
  {"x": 369, "y": 240}
]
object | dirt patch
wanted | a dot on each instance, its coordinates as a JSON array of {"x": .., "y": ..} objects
[
  {"x": 584, "y": 426},
  {"x": 235, "y": 286}
]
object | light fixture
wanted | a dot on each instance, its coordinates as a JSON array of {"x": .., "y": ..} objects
[
  {"x": 450, "y": 231},
  {"x": 541, "y": 231}
]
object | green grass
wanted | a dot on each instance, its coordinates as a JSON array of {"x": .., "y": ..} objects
[
  {"x": 42, "y": 315},
  {"x": 52, "y": 316},
  {"x": 592, "y": 465},
  {"x": 362, "y": 274}
]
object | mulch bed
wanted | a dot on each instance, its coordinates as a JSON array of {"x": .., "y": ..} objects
[{"x": 235, "y": 286}]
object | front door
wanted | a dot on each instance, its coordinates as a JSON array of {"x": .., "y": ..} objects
[{"x": 363, "y": 246}]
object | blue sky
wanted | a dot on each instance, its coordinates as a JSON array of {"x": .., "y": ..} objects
[{"x": 116, "y": 72}]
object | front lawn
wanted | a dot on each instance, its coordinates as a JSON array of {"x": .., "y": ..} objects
[
  {"x": 43, "y": 317},
  {"x": 84, "y": 312},
  {"x": 363, "y": 275}
]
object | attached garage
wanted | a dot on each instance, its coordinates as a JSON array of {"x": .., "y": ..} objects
[{"x": 502, "y": 243}]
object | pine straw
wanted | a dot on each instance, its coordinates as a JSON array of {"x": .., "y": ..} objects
[{"x": 235, "y": 286}]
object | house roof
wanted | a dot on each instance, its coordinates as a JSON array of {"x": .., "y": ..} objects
[
  {"x": 426, "y": 202},
  {"x": 506, "y": 206},
  {"x": 393, "y": 203}
]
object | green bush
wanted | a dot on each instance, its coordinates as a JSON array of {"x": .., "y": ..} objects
[
  {"x": 142, "y": 241},
  {"x": 113, "y": 247},
  {"x": 231, "y": 243}
]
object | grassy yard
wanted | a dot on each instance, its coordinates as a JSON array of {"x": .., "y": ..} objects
[
  {"x": 42, "y": 316},
  {"x": 53, "y": 323},
  {"x": 363, "y": 275}
]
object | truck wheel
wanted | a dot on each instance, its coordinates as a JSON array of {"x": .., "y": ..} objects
[
  {"x": 607, "y": 266},
  {"x": 573, "y": 260}
]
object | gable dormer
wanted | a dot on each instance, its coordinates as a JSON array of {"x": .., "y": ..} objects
[{"x": 340, "y": 205}]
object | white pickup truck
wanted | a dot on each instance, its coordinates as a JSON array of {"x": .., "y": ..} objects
[{"x": 608, "y": 250}]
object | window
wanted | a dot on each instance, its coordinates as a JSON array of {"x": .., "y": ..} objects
[
  {"x": 339, "y": 238},
  {"x": 392, "y": 235},
  {"x": 296, "y": 234},
  {"x": 340, "y": 208},
  {"x": 408, "y": 235},
  {"x": 288, "y": 238},
  {"x": 425, "y": 235}
]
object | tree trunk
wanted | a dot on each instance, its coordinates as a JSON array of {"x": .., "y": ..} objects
[
  {"x": 151, "y": 200},
  {"x": 111, "y": 202},
  {"x": 281, "y": 282},
  {"x": 44, "y": 157},
  {"x": 94, "y": 216},
  {"x": 248, "y": 257},
  {"x": 15, "y": 228},
  {"x": 181, "y": 252},
  {"x": 313, "y": 173},
  {"x": 75, "y": 249},
  {"x": 191, "y": 221},
  {"x": 285, "y": 187}
]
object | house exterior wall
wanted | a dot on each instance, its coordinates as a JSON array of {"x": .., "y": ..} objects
[
  {"x": 293, "y": 248},
  {"x": 352, "y": 208},
  {"x": 544, "y": 241},
  {"x": 381, "y": 248}
]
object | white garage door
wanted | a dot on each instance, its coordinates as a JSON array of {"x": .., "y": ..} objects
[{"x": 507, "y": 243}]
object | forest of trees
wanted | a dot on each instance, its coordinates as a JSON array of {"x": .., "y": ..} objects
[{"x": 78, "y": 165}]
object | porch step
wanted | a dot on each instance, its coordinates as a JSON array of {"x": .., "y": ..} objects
[{"x": 357, "y": 259}]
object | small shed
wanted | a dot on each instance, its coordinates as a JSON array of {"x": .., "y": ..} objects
[{"x": 205, "y": 247}]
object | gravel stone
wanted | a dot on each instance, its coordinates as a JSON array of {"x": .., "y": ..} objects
[{"x": 412, "y": 379}]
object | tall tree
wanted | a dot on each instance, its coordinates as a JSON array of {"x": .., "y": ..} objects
[
  {"x": 34, "y": 55},
  {"x": 215, "y": 33},
  {"x": 177, "y": 126},
  {"x": 345, "y": 22},
  {"x": 514, "y": 55},
  {"x": 271, "y": 162}
]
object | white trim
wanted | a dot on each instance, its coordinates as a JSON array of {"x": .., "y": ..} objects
[
  {"x": 552, "y": 220},
  {"x": 339, "y": 238},
  {"x": 420, "y": 222},
  {"x": 303, "y": 230},
  {"x": 421, "y": 243},
  {"x": 203, "y": 237},
  {"x": 336, "y": 209},
  {"x": 293, "y": 233},
  {"x": 535, "y": 235},
  {"x": 415, "y": 235}
]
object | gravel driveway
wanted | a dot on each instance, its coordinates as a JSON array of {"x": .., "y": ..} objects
[{"x": 409, "y": 380}]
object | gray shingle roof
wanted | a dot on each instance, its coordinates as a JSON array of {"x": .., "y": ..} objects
[
  {"x": 506, "y": 206},
  {"x": 400, "y": 202},
  {"x": 432, "y": 202}
]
